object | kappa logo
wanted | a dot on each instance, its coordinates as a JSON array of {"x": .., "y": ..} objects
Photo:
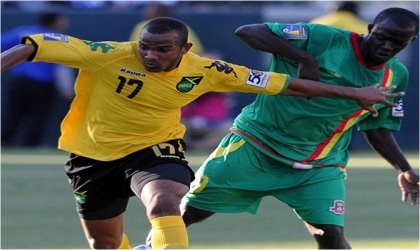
[
  {"x": 338, "y": 207},
  {"x": 225, "y": 68},
  {"x": 187, "y": 83}
]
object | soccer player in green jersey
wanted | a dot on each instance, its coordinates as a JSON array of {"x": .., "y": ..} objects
[
  {"x": 123, "y": 129},
  {"x": 295, "y": 149}
]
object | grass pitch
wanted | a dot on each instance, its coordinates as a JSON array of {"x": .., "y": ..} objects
[{"x": 38, "y": 210}]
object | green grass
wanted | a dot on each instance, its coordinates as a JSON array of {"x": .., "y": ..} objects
[{"x": 38, "y": 211}]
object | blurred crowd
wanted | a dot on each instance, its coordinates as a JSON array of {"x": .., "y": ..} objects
[{"x": 118, "y": 5}]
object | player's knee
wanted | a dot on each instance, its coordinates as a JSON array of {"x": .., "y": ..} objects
[
  {"x": 163, "y": 204},
  {"x": 105, "y": 243}
]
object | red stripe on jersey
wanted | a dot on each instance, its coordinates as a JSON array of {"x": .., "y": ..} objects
[
  {"x": 385, "y": 82},
  {"x": 356, "y": 48},
  {"x": 340, "y": 129}
]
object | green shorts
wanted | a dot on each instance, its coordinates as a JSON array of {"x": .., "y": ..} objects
[{"x": 237, "y": 175}]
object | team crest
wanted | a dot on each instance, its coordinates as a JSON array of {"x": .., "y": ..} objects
[
  {"x": 338, "y": 207},
  {"x": 81, "y": 197},
  {"x": 187, "y": 83}
]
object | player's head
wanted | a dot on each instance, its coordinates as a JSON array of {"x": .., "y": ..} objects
[
  {"x": 162, "y": 43},
  {"x": 392, "y": 30}
]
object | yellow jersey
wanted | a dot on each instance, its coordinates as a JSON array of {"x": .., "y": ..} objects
[{"x": 120, "y": 107}]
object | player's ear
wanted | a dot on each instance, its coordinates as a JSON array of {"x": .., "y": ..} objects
[
  {"x": 370, "y": 27},
  {"x": 186, "y": 47}
]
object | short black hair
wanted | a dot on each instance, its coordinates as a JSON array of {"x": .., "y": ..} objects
[
  {"x": 162, "y": 25},
  {"x": 402, "y": 17}
]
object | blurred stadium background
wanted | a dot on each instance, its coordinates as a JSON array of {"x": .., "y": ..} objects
[
  {"x": 214, "y": 22},
  {"x": 38, "y": 210}
]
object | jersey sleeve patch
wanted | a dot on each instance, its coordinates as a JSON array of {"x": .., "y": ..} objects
[
  {"x": 293, "y": 31},
  {"x": 258, "y": 78},
  {"x": 399, "y": 110},
  {"x": 56, "y": 37}
]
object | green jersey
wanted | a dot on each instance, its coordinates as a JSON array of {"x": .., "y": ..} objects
[{"x": 318, "y": 130}]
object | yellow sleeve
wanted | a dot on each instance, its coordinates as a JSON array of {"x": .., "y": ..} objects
[
  {"x": 232, "y": 77},
  {"x": 74, "y": 52}
]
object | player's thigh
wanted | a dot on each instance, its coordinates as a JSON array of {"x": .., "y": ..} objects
[
  {"x": 226, "y": 181},
  {"x": 97, "y": 187},
  {"x": 321, "y": 200},
  {"x": 224, "y": 200}
]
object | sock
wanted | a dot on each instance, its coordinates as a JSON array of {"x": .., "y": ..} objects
[
  {"x": 169, "y": 232},
  {"x": 125, "y": 243}
]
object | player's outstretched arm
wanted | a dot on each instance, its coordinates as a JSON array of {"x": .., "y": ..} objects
[
  {"x": 15, "y": 55},
  {"x": 366, "y": 97},
  {"x": 382, "y": 141}
]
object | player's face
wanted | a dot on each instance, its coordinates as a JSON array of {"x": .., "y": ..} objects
[
  {"x": 160, "y": 52},
  {"x": 384, "y": 41}
]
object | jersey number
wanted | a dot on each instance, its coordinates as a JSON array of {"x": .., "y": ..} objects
[
  {"x": 157, "y": 149},
  {"x": 131, "y": 82}
]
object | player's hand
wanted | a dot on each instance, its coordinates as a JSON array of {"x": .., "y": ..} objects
[
  {"x": 409, "y": 184},
  {"x": 368, "y": 96}
]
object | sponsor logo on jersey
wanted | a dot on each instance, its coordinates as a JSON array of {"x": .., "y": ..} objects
[
  {"x": 222, "y": 67},
  {"x": 338, "y": 207},
  {"x": 293, "y": 31},
  {"x": 104, "y": 47},
  {"x": 132, "y": 72},
  {"x": 257, "y": 78},
  {"x": 187, "y": 83},
  {"x": 399, "y": 110},
  {"x": 56, "y": 37}
]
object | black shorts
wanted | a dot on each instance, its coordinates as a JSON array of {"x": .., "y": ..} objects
[{"x": 102, "y": 188}]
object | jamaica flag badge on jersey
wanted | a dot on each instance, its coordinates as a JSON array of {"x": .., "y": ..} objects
[{"x": 187, "y": 83}]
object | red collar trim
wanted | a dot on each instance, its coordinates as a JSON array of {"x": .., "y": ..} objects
[{"x": 356, "y": 49}]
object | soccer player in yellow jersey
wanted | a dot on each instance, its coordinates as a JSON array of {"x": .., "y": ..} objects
[{"x": 123, "y": 129}]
